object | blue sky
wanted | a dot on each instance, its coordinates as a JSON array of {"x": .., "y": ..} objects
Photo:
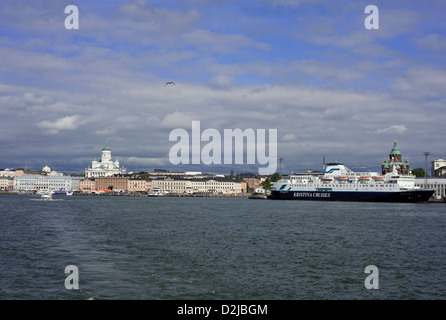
[{"x": 309, "y": 69}]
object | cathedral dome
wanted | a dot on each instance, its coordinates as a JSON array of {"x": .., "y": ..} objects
[
  {"x": 106, "y": 148},
  {"x": 395, "y": 149},
  {"x": 46, "y": 169}
]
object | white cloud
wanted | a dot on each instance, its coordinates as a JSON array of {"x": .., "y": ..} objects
[
  {"x": 400, "y": 129},
  {"x": 105, "y": 132},
  {"x": 289, "y": 137},
  {"x": 176, "y": 120},
  {"x": 325, "y": 81},
  {"x": 65, "y": 123},
  {"x": 433, "y": 41}
]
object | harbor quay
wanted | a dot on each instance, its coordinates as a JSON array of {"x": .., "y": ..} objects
[{"x": 157, "y": 184}]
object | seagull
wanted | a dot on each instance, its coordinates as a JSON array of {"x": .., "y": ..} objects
[{"x": 170, "y": 82}]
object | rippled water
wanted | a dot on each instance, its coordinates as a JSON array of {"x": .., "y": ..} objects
[{"x": 212, "y": 248}]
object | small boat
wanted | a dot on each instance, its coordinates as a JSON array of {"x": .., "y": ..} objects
[
  {"x": 69, "y": 193},
  {"x": 46, "y": 195}
]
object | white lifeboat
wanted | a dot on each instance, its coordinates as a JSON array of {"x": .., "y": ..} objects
[
  {"x": 365, "y": 179},
  {"x": 379, "y": 178},
  {"x": 343, "y": 179}
]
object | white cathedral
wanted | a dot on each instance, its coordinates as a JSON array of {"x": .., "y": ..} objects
[{"x": 106, "y": 167}]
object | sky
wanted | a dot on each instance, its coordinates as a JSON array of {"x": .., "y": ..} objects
[{"x": 331, "y": 87}]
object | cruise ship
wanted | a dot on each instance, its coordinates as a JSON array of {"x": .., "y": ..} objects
[{"x": 339, "y": 183}]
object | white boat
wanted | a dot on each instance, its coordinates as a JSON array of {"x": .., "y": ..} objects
[
  {"x": 46, "y": 194},
  {"x": 69, "y": 193},
  {"x": 156, "y": 192}
]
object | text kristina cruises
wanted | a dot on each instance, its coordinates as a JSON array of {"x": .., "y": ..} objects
[{"x": 338, "y": 183}]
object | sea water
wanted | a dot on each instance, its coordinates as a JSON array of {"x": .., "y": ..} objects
[{"x": 167, "y": 248}]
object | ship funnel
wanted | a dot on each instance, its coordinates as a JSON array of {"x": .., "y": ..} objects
[{"x": 336, "y": 169}]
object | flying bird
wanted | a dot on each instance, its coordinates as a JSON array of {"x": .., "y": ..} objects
[{"x": 170, "y": 82}]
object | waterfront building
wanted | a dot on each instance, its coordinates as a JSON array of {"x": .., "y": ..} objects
[
  {"x": 105, "y": 167},
  {"x": 437, "y": 184},
  {"x": 87, "y": 185},
  {"x": 114, "y": 183},
  {"x": 17, "y": 172},
  {"x": 253, "y": 182},
  {"x": 44, "y": 182},
  {"x": 7, "y": 173},
  {"x": 148, "y": 185},
  {"x": 216, "y": 185},
  {"x": 170, "y": 185},
  {"x": 137, "y": 185},
  {"x": 438, "y": 168},
  {"x": 395, "y": 160},
  {"x": 6, "y": 183}
]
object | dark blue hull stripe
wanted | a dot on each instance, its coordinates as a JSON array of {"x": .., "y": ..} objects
[{"x": 401, "y": 196}]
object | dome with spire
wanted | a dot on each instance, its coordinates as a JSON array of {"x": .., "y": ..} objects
[
  {"x": 105, "y": 166},
  {"x": 395, "y": 149},
  {"x": 395, "y": 161}
]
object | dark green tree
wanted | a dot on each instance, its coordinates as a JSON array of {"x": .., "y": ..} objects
[
  {"x": 266, "y": 184},
  {"x": 144, "y": 175},
  {"x": 418, "y": 172},
  {"x": 275, "y": 177}
]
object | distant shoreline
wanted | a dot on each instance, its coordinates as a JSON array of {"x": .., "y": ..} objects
[{"x": 111, "y": 194}]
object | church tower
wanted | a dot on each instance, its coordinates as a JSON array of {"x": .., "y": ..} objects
[
  {"x": 105, "y": 154},
  {"x": 395, "y": 159},
  {"x": 106, "y": 167}
]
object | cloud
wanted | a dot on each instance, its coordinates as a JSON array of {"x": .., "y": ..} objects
[
  {"x": 65, "y": 123},
  {"x": 105, "y": 132},
  {"x": 205, "y": 40},
  {"x": 399, "y": 129},
  {"x": 176, "y": 120},
  {"x": 315, "y": 74},
  {"x": 433, "y": 41},
  {"x": 289, "y": 137}
]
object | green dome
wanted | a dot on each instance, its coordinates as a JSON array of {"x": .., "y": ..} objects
[
  {"x": 395, "y": 149},
  {"x": 106, "y": 148}
]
